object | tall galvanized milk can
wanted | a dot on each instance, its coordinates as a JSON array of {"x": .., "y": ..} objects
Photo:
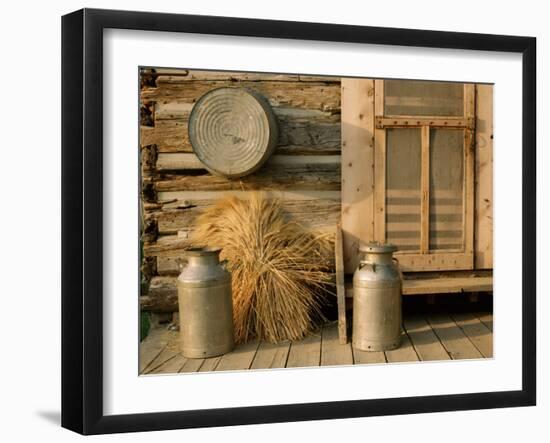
[
  {"x": 205, "y": 305},
  {"x": 377, "y": 300}
]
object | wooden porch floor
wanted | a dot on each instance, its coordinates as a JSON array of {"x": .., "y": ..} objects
[{"x": 436, "y": 337}]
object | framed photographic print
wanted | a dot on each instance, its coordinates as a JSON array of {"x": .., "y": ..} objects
[{"x": 271, "y": 221}]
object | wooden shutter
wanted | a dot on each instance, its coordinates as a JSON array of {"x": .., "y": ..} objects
[{"x": 424, "y": 172}]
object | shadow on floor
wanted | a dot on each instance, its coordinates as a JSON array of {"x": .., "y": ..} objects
[{"x": 54, "y": 417}]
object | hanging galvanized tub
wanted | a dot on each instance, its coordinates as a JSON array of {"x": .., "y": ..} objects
[
  {"x": 205, "y": 305},
  {"x": 233, "y": 131},
  {"x": 377, "y": 300}
]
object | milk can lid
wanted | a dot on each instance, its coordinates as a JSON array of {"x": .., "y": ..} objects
[{"x": 377, "y": 248}]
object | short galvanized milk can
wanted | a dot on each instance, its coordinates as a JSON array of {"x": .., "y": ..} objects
[
  {"x": 377, "y": 300},
  {"x": 205, "y": 305}
]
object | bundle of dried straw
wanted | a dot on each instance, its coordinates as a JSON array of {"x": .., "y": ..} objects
[{"x": 281, "y": 271}]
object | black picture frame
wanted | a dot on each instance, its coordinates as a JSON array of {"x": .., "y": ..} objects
[{"x": 82, "y": 218}]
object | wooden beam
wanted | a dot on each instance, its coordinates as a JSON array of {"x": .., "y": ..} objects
[
  {"x": 447, "y": 285},
  {"x": 274, "y": 175},
  {"x": 436, "y": 261},
  {"x": 483, "y": 228},
  {"x": 340, "y": 285},
  {"x": 469, "y": 197},
  {"x": 443, "y": 285},
  {"x": 316, "y": 214},
  {"x": 174, "y": 199},
  {"x": 357, "y": 167},
  {"x": 301, "y": 131},
  {"x": 323, "y": 95},
  {"x": 379, "y": 167},
  {"x": 425, "y": 192},
  {"x": 415, "y": 121},
  {"x": 469, "y": 171},
  {"x": 186, "y": 161}
]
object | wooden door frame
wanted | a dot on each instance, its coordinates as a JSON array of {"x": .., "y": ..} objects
[{"x": 426, "y": 260}]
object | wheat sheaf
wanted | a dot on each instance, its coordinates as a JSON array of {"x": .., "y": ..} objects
[{"x": 281, "y": 272}]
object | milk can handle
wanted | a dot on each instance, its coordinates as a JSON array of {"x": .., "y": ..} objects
[
  {"x": 181, "y": 263},
  {"x": 398, "y": 269},
  {"x": 224, "y": 264}
]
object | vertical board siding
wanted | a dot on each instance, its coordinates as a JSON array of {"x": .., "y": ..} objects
[
  {"x": 357, "y": 167},
  {"x": 484, "y": 178},
  {"x": 425, "y": 188},
  {"x": 379, "y": 167}
]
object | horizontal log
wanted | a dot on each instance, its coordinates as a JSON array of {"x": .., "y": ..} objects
[
  {"x": 167, "y": 135},
  {"x": 174, "y": 199},
  {"x": 187, "y": 161},
  {"x": 324, "y": 95},
  {"x": 176, "y": 211},
  {"x": 178, "y": 160},
  {"x": 174, "y": 110},
  {"x": 169, "y": 265},
  {"x": 168, "y": 245},
  {"x": 162, "y": 295},
  {"x": 176, "y": 76},
  {"x": 187, "y": 75},
  {"x": 274, "y": 175},
  {"x": 319, "y": 215},
  {"x": 301, "y": 131}
]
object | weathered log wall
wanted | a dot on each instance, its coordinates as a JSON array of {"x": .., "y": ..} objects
[{"x": 303, "y": 173}]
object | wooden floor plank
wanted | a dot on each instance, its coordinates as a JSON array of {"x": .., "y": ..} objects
[
  {"x": 425, "y": 341},
  {"x": 160, "y": 360},
  {"x": 192, "y": 365},
  {"x": 453, "y": 338},
  {"x": 209, "y": 364},
  {"x": 271, "y": 355},
  {"x": 170, "y": 366},
  {"x": 367, "y": 357},
  {"x": 241, "y": 358},
  {"x": 151, "y": 347},
  {"x": 404, "y": 353},
  {"x": 332, "y": 351},
  {"x": 458, "y": 336},
  {"x": 486, "y": 318},
  {"x": 306, "y": 352},
  {"x": 477, "y": 332}
]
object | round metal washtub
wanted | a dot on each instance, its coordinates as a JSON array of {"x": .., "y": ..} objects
[{"x": 233, "y": 131}]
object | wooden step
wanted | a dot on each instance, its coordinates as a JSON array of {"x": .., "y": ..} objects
[{"x": 443, "y": 285}]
